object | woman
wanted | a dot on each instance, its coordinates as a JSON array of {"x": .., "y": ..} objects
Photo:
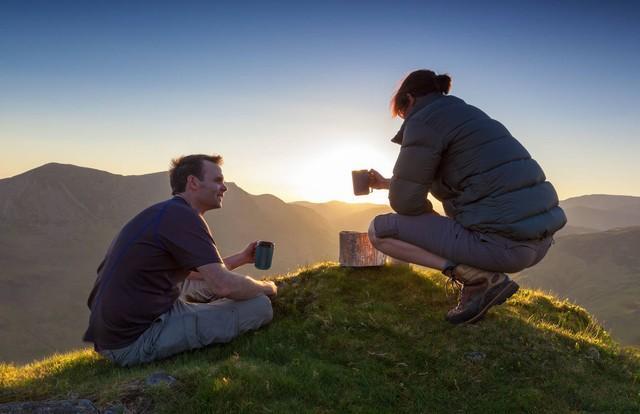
[{"x": 501, "y": 213}]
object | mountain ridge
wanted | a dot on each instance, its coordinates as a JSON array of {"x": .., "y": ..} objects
[{"x": 601, "y": 212}]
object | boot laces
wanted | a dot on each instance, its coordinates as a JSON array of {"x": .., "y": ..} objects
[{"x": 452, "y": 285}]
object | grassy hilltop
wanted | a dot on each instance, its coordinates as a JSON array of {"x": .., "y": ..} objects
[{"x": 368, "y": 340}]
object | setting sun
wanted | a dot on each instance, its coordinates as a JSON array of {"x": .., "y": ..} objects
[{"x": 327, "y": 176}]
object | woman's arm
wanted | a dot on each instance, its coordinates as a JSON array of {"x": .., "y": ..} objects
[{"x": 415, "y": 169}]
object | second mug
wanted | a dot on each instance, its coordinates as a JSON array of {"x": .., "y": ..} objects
[{"x": 361, "y": 182}]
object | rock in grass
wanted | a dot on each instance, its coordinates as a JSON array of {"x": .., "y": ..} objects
[
  {"x": 46, "y": 407},
  {"x": 160, "y": 378},
  {"x": 593, "y": 353},
  {"x": 475, "y": 356}
]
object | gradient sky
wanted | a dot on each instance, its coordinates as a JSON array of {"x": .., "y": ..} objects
[{"x": 294, "y": 94}]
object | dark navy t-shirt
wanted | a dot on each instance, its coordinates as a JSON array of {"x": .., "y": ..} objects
[{"x": 137, "y": 279}]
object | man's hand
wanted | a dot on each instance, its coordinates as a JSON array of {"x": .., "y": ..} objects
[
  {"x": 246, "y": 256},
  {"x": 270, "y": 289},
  {"x": 249, "y": 253},
  {"x": 377, "y": 181}
]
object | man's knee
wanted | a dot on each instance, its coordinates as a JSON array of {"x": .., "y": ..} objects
[
  {"x": 255, "y": 313},
  {"x": 265, "y": 310}
]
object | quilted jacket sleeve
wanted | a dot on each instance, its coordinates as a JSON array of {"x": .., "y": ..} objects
[{"x": 415, "y": 169}]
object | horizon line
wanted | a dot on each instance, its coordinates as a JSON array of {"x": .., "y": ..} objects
[{"x": 234, "y": 183}]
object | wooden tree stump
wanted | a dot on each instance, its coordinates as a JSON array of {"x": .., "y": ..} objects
[{"x": 356, "y": 250}]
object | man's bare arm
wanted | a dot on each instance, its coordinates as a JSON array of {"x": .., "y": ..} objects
[
  {"x": 235, "y": 260},
  {"x": 231, "y": 262},
  {"x": 246, "y": 256},
  {"x": 225, "y": 283}
]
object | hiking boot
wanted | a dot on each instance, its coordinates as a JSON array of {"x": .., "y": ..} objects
[{"x": 480, "y": 291}]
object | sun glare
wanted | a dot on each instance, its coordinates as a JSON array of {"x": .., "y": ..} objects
[{"x": 327, "y": 176}]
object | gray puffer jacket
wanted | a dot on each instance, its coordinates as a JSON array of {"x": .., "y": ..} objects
[{"x": 485, "y": 179}]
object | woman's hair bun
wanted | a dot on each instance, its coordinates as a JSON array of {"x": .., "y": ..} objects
[
  {"x": 418, "y": 83},
  {"x": 444, "y": 83}
]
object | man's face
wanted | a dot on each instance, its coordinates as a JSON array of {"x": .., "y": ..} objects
[{"x": 211, "y": 189}]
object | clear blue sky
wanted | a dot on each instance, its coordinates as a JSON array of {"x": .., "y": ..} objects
[{"x": 294, "y": 95}]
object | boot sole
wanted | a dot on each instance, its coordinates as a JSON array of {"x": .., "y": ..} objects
[{"x": 499, "y": 299}]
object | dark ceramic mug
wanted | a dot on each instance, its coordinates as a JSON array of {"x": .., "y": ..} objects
[{"x": 264, "y": 255}]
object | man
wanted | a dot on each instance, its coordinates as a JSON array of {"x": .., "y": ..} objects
[{"x": 136, "y": 313}]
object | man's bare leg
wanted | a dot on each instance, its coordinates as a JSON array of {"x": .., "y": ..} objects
[{"x": 407, "y": 252}]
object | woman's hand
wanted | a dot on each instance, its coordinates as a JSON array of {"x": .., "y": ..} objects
[{"x": 377, "y": 181}]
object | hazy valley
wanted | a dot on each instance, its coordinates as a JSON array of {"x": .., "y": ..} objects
[{"x": 56, "y": 222}]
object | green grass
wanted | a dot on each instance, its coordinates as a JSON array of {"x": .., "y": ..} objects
[{"x": 369, "y": 340}]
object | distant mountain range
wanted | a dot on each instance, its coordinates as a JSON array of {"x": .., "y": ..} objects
[
  {"x": 600, "y": 212},
  {"x": 56, "y": 222},
  {"x": 346, "y": 216}
]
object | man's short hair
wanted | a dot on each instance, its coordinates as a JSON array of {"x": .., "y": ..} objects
[{"x": 187, "y": 165}]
